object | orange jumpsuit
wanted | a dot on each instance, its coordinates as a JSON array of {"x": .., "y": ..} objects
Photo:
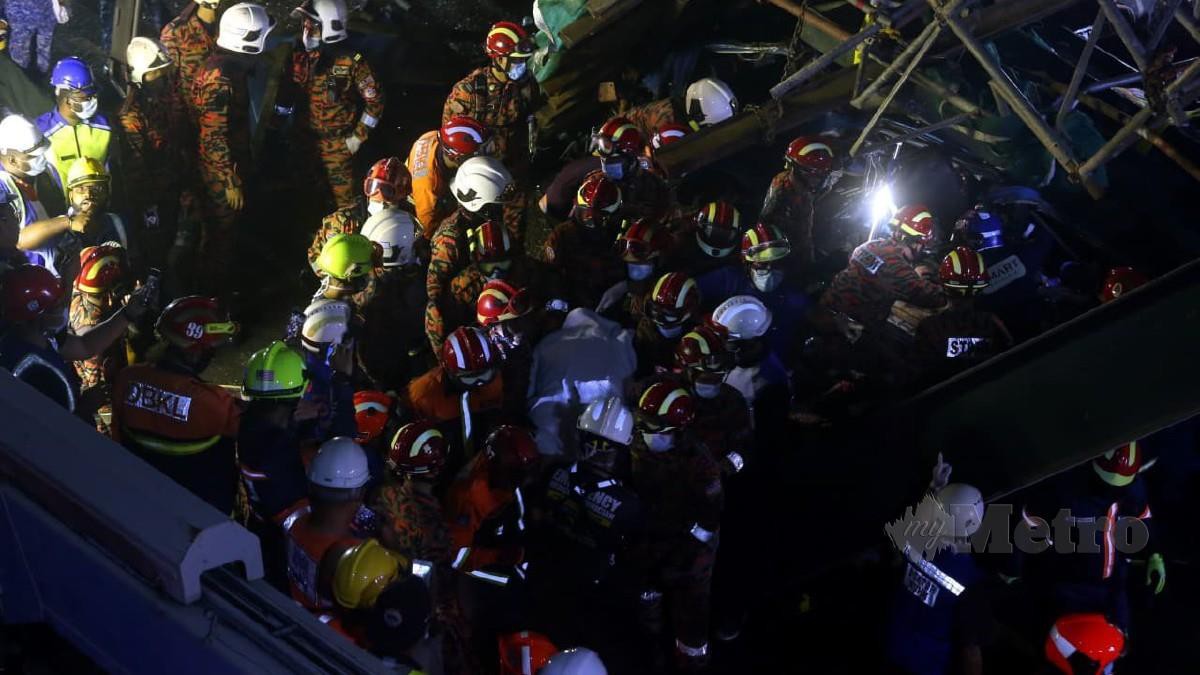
[
  {"x": 431, "y": 196},
  {"x": 306, "y": 548},
  {"x": 430, "y": 398}
]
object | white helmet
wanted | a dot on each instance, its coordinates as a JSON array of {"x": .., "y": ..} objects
[
  {"x": 325, "y": 323},
  {"x": 339, "y": 463},
  {"x": 710, "y": 101},
  {"x": 244, "y": 28},
  {"x": 143, "y": 55},
  {"x": 480, "y": 181},
  {"x": 18, "y": 133},
  {"x": 744, "y": 316},
  {"x": 333, "y": 17},
  {"x": 964, "y": 504},
  {"x": 608, "y": 418},
  {"x": 577, "y": 661},
  {"x": 395, "y": 231}
]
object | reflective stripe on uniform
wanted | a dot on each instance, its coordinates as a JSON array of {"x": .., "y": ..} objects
[
  {"x": 170, "y": 447},
  {"x": 934, "y": 572},
  {"x": 31, "y": 360},
  {"x": 497, "y": 579},
  {"x": 460, "y": 557},
  {"x": 369, "y": 121}
]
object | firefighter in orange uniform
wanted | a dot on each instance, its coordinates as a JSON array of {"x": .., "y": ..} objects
[
  {"x": 433, "y": 159},
  {"x": 180, "y": 424},
  {"x": 469, "y": 367}
]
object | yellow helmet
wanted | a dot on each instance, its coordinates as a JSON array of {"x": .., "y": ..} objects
[
  {"x": 363, "y": 572},
  {"x": 347, "y": 256},
  {"x": 86, "y": 170}
]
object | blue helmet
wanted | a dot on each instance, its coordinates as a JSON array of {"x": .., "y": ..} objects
[
  {"x": 72, "y": 73},
  {"x": 983, "y": 228}
]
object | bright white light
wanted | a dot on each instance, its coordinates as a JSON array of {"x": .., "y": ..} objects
[{"x": 883, "y": 206}]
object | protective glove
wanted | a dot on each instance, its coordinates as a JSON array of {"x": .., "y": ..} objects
[
  {"x": 1156, "y": 573},
  {"x": 354, "y": 143}
]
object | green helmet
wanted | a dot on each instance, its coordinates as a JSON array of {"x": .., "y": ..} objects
[
  {"x": 274, "y": 372},
  {"x": 347, "y": 256}
]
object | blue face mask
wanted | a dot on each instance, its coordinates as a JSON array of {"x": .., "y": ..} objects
[
  {"x": 517, "y": 70},
  {"x": 659, "y": 442},
  {"x": 613, "y": 169},
  {"x": 639, "y": 271}
]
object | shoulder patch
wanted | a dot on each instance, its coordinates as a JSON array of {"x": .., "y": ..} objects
[{"x": 867, "y": 260}]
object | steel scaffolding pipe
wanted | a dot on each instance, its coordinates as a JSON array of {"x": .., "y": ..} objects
[
  {"x": 1081, "y": 67},
  {"x": 887, "y": 100},
  {"x": 823, "y": 61}
]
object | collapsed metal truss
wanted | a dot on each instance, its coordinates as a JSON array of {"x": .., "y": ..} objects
[{"x": 950, "y": 16}]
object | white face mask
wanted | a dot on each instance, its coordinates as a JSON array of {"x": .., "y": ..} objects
[
  {"x": 311, "y": 42},
  {"x": 669, "y": 331},
  {"x": 517, "y": 70},
  {"x": 708, "y": 389},
  {"x": 88, "y": 109},
  {"x": 639, "y": 271},
  {"x": 766, "y": 280},
  {"x": 374, "y": 207},
  {"x": 659, "y": 442},
  {"x": 35, "y": 164}
]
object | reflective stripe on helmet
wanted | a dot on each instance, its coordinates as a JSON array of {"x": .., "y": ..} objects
[
  {"x": 474, "y": 134},
  {"x": 457, "y": 348},
  {"x": 425, "y": 437},
  {"x": 814, "y": 147}
]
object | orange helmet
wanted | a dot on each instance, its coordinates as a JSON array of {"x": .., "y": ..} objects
[
  {"x": 619, "y": 136},
  {"x": 389, "y": 179},
  {"x": 500, "y": 301},
  {"x": 418, "y": 448},
  {"x": 371, "y": 410},
  {"x": 963, "y": 271},
  {"x": 1120, "y": 466},
  {"x": 195, "y": 324},
  {"x": 1084, "y": 644},
  {"x": 507, "y": 39},
  {"x": 100, "y": 268},
  {"x": 914, "y": 221},
  {"x": 524, "y": 653},
  {"x": 1120, "y": 280}
]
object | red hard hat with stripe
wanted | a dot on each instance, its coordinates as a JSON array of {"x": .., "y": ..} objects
[
  {"x": 29, "y": 291},
  {"x": 100, "y": 268},
  {"x": 764, "y": 243},
  {"x": 1120, "y": 466},
  {"x": 914, "y": 221},
  {"x": 642, "y": 241},
  {"x": 490, "y": 241},
  {"x": 810, "y": 154},
  {"x": 462, "y": 136},
  {"x": 718, "y": 228},
  {"x": 501, "y": 301},
  {"x": 665, "y": 404},
  {"x": 195, "y": 324},
  {"x": 371, "y": 410},
  {"x": 673, "y": 299},
  {"x": 669, "y": 133},
  {"x": 418, "y": 448},
  {"x": 388, "y": 179},
  {"x": 1085, "y": 640},
  {"x": 512, "y": 447},
  {"x": 703, "y": 348},
  {"x": 467, "y": 351},
  {"x": 619, "y": 136},
  {"x": 524, "y": 653},
  {"x": 963, "y": 271},
  {"x": 597, "y": 199},
  {"x": 506, "y": 38}
]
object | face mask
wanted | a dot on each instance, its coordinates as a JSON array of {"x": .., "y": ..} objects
[
  {"x": 639, "y": 271},
  {"x": 310, "y": 42},
  {"x": 669, "y": 331},
  {"x": 613, "y": 169},
  {"x": 87, "y": 109},
  {"x": 35, "y": 164},
  {"x": 374, "y": 207},
  {"x": 766, "y": 280},
  {"x": 659, "y": 442},
  {"x": 517, "y": 70},
  {"x": 707, "y": 389}
]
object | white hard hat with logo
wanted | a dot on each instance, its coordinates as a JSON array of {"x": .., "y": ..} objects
[
  {"x": 710, "y": 101},
  {"x": 144, "y": 55},
  {"x": 608, "y": 418},
  {"x": 394, "y": 231},
  {"x": 745, "y": 317},
  {"x": 340, "y": 463},
  {"x": 480, "y": 181},
  {"x": 244, "y": 28}
]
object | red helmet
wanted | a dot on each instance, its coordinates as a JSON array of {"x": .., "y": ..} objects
[
  {"x": 500, "y": 301},
  {"x": 1120, "y": 466},
  {"x": 914, "y": 221},
  {"x": 506, "y": 38},
  {"x": 669, "y": 133},
  {"x": 462, "y": 137},
  {"x": 642, "y": 241},
  {"x": 718, "y": 226},
  {"x": 490, "y": 241},
  {"x": 418, "y": 448},
  {"x": 524, "y": 652},
  {"x": 30, "y": 290},
  {"x": 764, "y": 243},
  {"x": 371, "y": 410},
  {"x": 195, "y": 324},
  {"x": 598, "y": 199},
  {"x": 1085, "y": 640},
  {"x": 810, "y": 155},
  {"x": 468, "y": 356},
  {"x": 100, "y": 267},
  {"x": 512, "y": 448},
  {"x": 673, "y": 300},
  {"x": 963, "y": 271},
  {"x": 703, "y": 348},
  {"x": 389, "y": 179},
  {"x": 665, "y": 405},
  {"x": 1120, "y": 280},
  {"x": 619, "y": 136}
]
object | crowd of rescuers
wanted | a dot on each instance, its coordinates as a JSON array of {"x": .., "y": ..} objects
[{"x": 460, "y": 453}]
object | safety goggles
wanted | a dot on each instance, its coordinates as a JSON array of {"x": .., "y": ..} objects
[
  {"x": 768, "y": 251},
  {"x": 474, "y": 379},
  {"x": 665, "y": 317},
  {"x": 375, "y": 186},
  {"x": 493, "y": 267},
  {"x": 93, "y": 189},
  {"x": 634, "y": 249}
]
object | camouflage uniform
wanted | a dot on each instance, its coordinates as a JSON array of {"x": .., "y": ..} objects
[
  {"x": 789, "y": 206},
  {"x": 588, "y": 265},
  {"x": 877, "y": 276},
  {"x": 329, "y": 84},
  {"x": 97, "y": 373},
  {"x": 466, "y": 286},
  {"x": 447, "y": 257},
  {"x": 220, "y": 96},
  {"x": 501, "y": 106},
  {"x": 25, "y": 18},
  {"x": 650, "y": 117},
  {"x": 345, "y": 220},
  {"x": 189, "y": 42}
]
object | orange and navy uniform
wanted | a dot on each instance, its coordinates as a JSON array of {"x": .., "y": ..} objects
[
  {"x": 431, "y": 196},
  {"x": 430, "y": 397},
  {"x": 306, "y": 549},
  {"x": 189, "y": 42},
  {"x": 485, "y": 525}
]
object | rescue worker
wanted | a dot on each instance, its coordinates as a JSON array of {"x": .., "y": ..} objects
[
  {"x": 507, "y": 314},
  {"x": 333, "y": 92},
  {"x": 1084, "y": 644},
  {"x": 524, "y": 652},
  {"x": 1097, "y": 496},
  {"x": 716, "y": 230},
  {"x": 392, "y": 348},
  {"x": 708, "y": 101},
  {"x": 499, "y": 95},
  {"x": 807, "y": 174},
  {"x": 74, "y": 127},
  {"x": 179, "y": 424},
  {"x": 414, "y": 525},
  {"x": 759, "y": 372},
  {"x": 158, "y": 167},
  {"x": 386, "y": 187},
  {"x": 29, "y": 186},
  {"x": 432, "y": 161},
  {"x": 467, "y": 378},
  {"x": 641, "y": 246},
  {"x": 361, "y": 574},
  {"x": 479, "y": 187},
  {"x": 683, "y": 495},
  {"x": 666, "y": 134},
  {"x": 881, "y": 272},
  {"x": 941, "y": 615},
  {"x": 619, "y": 153},
  {"x": 952, "y": 341},
  {"x": 398, "y": 626},
  {"x": 219, "y": 99},
  {"x": 337, "y": 479},
  {"x": 273, "y": 383},
  {"x": 33, "y": 346},
  {"x": 579, "y": 247},
  {"x": 344, "y": 266},
  {"x": 98, "y": 289},
  {"x": 670, "y": 306},
  {"x": 190, "y": 39},
  {"x": 32, "y": 18},
  {"x": 372, "y": 409},
  {"x": 329, "y": 347},
  {"x": 58, "y": 242}
]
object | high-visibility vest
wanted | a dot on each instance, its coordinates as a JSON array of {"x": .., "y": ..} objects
[{"x": 89, "y": 138}]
